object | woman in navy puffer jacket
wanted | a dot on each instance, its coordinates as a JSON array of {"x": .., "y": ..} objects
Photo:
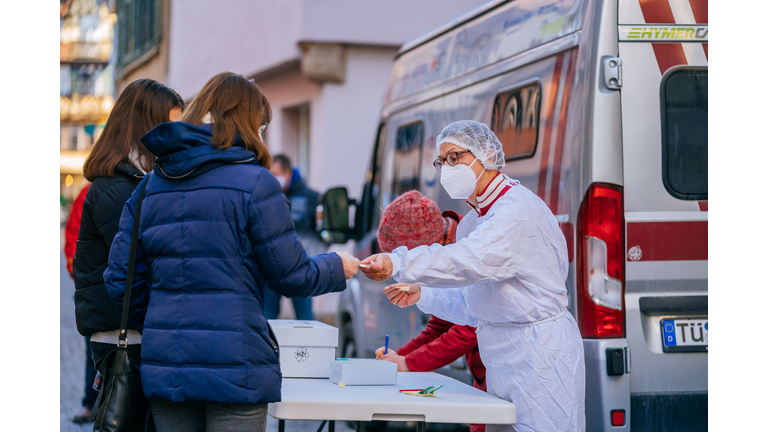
[{"x": 215, "y": 230}]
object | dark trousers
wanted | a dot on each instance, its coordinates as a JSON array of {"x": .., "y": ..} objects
[
  {"x": 302, "y": 306},
  {"x": 202, "y": 417},
  {"x": 90, "y": 374}
]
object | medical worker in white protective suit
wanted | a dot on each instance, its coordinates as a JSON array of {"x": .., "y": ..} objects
[{"x": 505, "y": 275}]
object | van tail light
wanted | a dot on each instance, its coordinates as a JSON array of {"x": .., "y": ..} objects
[{"x": 601, "y": 262}]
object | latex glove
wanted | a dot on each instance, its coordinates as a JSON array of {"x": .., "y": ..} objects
[
  {"x": 377, "y": 267},
  {"x": 403, "y": 298},
  {"x": 380, "y": 353}
]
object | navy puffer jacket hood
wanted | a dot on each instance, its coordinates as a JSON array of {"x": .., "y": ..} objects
[{"x": 215, "y": 230}]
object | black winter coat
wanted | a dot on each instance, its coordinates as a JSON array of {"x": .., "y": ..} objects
[{"x": 94, "y": 309}]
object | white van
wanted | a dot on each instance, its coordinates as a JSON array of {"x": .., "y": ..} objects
[{"x": 601, "y": 106}]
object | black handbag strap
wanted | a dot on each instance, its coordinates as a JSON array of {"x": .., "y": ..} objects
[{"x": 131, "y": 265}]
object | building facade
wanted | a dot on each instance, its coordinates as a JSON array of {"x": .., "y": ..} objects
[
  {"x": 86, "y": 87},
  {"x": 324, "y": 66}
]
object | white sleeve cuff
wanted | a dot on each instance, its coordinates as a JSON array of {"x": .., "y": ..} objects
[
  {"x": 395, "y": 265},
  {"x": 425, "y": 299}
]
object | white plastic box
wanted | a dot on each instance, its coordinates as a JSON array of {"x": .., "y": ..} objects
[
  {"x": 306, "y": 347},
  {"x": 363, "y": 372}
]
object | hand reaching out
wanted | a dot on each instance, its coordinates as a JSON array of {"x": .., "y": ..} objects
[
  {"x": 377, "y": 267},
  {"x": 403, "y": 298},
  {"x": 351, "y": 264}
]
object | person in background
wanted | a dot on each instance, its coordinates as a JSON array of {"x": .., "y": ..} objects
[
  {"x": 73, "y": 228},
  {"x": 304, "y": 214},
  {"x": 413, "y": 220},
  {"x": 215, "y": 229},
  {"x": 115, "y": 166},
  {"x": 63, "y": 210},
  {"x": 70, "y": 243}
]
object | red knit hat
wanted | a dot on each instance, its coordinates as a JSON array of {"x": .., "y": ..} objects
[{"x": 411, "y": 220}]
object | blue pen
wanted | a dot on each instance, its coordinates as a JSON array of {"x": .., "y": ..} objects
[{"x": 386, "y": 345}]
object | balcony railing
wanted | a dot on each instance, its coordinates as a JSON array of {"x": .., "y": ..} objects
[
  {"x": 85, "y": 52},
  {"x": 85, "y": 109}
]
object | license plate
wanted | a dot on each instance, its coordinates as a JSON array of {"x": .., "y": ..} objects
[{"x": 685, "y": 335}]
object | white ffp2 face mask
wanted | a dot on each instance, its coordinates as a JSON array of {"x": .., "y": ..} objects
[
  {"x": 282, "y": 181},
  {"x": 459, "y": 181}
]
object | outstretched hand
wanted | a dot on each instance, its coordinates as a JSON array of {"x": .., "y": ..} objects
[
  {"x": 351, "y": 264},
  {"x": 377, "y": 267},
  {"x": 403, "y": 298}
]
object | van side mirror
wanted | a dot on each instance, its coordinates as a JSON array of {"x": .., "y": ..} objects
[{"x": 336, "y": 227}]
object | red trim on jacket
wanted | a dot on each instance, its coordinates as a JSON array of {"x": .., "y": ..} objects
[{"x": 495, "y": 189}]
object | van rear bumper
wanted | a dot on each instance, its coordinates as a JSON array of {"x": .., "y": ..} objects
[{"x": 678, "y": 412}]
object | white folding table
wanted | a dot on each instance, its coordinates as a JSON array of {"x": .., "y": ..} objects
[{"x": 456, "y": 402}]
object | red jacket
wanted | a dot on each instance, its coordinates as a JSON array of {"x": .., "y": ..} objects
[
  {"x": 73, "y": 228},
  {"x": 440, "y": 344}
]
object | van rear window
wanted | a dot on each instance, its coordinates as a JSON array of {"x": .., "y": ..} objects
[
  {"x": 408, "y": 157},
  {"x": 684, "y": 133},
  {"x": 515, "y": 120}
]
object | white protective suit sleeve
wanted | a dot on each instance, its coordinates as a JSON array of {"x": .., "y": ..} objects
[
  {"x": 496, "y": 250},
  {"x": 447, "y": 304}
]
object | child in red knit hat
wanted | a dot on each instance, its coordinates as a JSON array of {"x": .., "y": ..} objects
[{"x": 413, "y": 220}]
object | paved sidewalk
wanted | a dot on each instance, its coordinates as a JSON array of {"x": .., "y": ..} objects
[{"x": 72, "y": 360}]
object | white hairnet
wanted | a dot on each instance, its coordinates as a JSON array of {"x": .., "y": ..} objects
[{"x": 477, "y": 138}]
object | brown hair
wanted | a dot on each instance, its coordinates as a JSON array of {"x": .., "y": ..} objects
[
  {"x": 143, "y": 105},
  {"x": 237, "y": 107}
]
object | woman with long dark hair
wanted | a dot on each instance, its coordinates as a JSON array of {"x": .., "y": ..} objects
[
  {"x": 215, "y": 232},
  {"x": 116, "y": 165}
]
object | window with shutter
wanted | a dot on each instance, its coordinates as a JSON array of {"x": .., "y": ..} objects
[{"x": 138, "y": 29}]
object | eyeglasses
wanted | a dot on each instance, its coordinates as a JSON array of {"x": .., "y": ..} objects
[{"x": 451, "y": 159}]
